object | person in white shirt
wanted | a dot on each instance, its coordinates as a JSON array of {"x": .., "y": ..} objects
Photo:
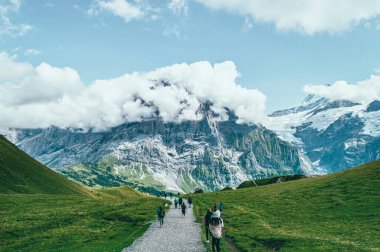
[{"x": 216, "y": 229}]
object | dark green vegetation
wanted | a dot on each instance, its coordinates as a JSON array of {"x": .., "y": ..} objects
[
  {"x": 43, "y": 211},
  {"x": 336, "y": 212},
  {"x": 267, "y": 181},
  {"x": 104, "y": 174},
  {"x": 226, "y": 189},
  {"x": 19, "y": 173}
]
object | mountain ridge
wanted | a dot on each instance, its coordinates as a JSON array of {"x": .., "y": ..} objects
[
  {"x": 334, "y": 134},
  {"x": 210, "y": 153}
]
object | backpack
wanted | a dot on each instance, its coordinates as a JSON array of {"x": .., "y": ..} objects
[
  {"x": 162, "y": 214},
  {"x": 215, "y": 221}
]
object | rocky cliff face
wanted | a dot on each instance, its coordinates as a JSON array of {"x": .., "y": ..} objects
[
  {"x": 209, "y": 153},
  {"x": 335, "y": 135}
]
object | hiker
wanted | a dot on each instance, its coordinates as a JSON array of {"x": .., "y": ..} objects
[
  {"x": 215, "y": 208},
  {"x": 178, "y": 194},
  {"x": 190, "y": 201},
  {"x": 180, "y": 201},
  {"x": 161, "y": 215},
  {"x": 183, "y": 207},
  {"x": 171, "y": 195},
  {"x": 175, "y": 202},
  {"x": 206, "y": 220},
  {"x": 216, "y": 225},
  {"x": 221, "y": 207},
  {"x": 165, "y": 195}
]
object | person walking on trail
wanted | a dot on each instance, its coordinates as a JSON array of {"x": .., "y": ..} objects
[
  {"x": 215, "y": 207},
  {"x": 206, "y": 221},
  {"x": 221, "y": 207},
  {"x": 180, "y": 201},
  {"x": 216, "y": 227},
  {"x": 183, "y": 207},
  {"x": 190, "y": 201},
  {"x": 175, "y": 202},
  {"x": 161, "y": 215},
  {"x": 165, "y": 195}
]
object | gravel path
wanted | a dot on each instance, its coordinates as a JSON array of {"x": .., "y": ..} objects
[{"x": 177, "y": 234}]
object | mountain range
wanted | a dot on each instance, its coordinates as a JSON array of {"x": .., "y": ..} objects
[
  {"x": 334, "y": 134},
  {"x": 319, "y": 136}
]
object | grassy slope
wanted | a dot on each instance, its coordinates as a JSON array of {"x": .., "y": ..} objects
[
  {"x": 336, "y": 212},
  {"x": 19, "y": 173},
  {"x": 109, "y": 221},
  {"x": 42, "y": 211}
]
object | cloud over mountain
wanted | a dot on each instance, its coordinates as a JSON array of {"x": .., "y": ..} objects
[
  {"x": 363, "y": 92},
  {"x": 42, "y": 96}
]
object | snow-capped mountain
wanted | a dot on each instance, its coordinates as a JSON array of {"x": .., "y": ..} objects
[
  {"x": 335, "y": 134},
  {"x": 210, "y": 153}
]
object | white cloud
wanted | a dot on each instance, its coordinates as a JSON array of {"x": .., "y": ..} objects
[
  {"x": 248, "y": 24},
  {"x": 119, "y": 8},
  {"x": 11, "y": 70},
  {"x": 310, "y": 17},
  {"x": 363, "y": 92},
  {"x": 179, "y": 7},
  {"x": 377, "y": 70},
  {"x": 31, "y": 52},
  {"x": 42, "y": 96},
  {"x": 22, "y": 84},
  {"x": 7, "y": 26}
]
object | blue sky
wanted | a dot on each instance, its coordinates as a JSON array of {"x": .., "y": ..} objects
[{"x": 272, "y": 54}]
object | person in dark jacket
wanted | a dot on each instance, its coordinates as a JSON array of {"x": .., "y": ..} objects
[
  {"x": 183, "y": 207},
  {"x": 215, "y": 207},
  {"x": 161, "y": 215},
  {"x": 190, "y": 201},
  {"x": 221, "y": 207},
  {"x": 206, "y": 220},
  {"x": 180, "y": 201}
]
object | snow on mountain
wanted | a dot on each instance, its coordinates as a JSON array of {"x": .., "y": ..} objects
[
  {"x": 371, "y": 123},
  {"x": 334, "y": 134},
  {"x": 210, "y": 153}
]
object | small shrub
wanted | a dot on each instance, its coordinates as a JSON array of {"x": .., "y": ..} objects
[
  {"x": 228, "y": 188},
  {"x": 198, "y": 190}
]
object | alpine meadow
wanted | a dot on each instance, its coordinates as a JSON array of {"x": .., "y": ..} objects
[{"x": 190, "y": 125}]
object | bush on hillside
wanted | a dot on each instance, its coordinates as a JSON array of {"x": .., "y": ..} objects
[
  {"x": 198, "y": 190},
  {"x": 226, "y": 189},
  {"x": 268, "y": 181}
]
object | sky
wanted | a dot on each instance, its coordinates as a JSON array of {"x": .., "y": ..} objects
[{"x": 276, "y": 53}]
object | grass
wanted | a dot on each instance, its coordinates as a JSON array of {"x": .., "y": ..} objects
[
  {"x": 108, "y": 221},
  {"x": 19, "y": 173},
  {"x": 336, "y": 212},
  {"x": 41, "y": 210}
]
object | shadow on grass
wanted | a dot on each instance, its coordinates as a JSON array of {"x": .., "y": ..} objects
[{"x": 273, "y": 244}]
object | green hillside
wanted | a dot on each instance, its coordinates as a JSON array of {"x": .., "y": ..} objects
[
  {"x": 19, "y": 173},
  {"x": 336, "y": 212},
  {"x": 42, "y": 211}
]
